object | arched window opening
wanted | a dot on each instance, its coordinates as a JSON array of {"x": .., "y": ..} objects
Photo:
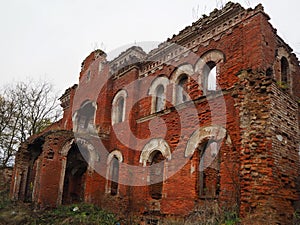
[
  {"x": 209, "y": 67},
  {"x": 76, "y": 166},
  {"x": 85, "y": 118},
  {"x": 284, "y": 70},
  {"x": 209, "y": 166},
  {"x": 114, "y": 176},
  {"x": 120, "y": 110},
  {"x": 210, "y": 76},
  {"x": 181, "y": 89},
  {"x": 160, "y": 98},
  {"x": 118, "y": 107},
  {"x": 156, "y": 175}
]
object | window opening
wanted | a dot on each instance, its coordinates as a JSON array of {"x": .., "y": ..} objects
[
  {"x": 114, "y": 176},
  {"x": 156, "y": 175},
  {"x": 284, "y": 70},
  {"x": 160, "y": 98},
  {"x": 208, "y": 180},
  {"x": 181, "y": 95}
]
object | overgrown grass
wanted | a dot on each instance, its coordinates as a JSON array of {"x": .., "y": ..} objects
[{"x": 76, "y": 214}]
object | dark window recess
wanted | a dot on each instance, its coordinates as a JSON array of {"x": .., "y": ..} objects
[{"x": 284, "y": 70}]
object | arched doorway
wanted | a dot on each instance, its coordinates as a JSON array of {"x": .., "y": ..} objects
[
  {"x": 35, "y": 150},
  {"x": 74, "y": 179}
]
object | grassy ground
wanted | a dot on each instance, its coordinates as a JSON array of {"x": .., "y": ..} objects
[{"x": 12, "y": 213}]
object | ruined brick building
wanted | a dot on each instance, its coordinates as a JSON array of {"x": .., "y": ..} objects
[{"x": 209, "y": 116}]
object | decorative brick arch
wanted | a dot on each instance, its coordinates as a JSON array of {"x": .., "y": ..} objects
[
  {"x": 185, "y": 69},
  {"x": 215, "y": 57},
  {"x": 203, "y": 134},
  {"x": 115, "y": 109},
  {"x": 65, "y": 149},
  {"x": 93, "y": 156},
  {"x": 157, "y": 144},
  {"x": 115, "y": 153}
]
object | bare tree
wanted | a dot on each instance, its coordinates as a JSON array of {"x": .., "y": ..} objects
[
  {"x": 26, "y": 108},
  {"x": 8, "y": 123}
]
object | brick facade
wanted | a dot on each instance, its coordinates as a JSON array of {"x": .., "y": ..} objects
[{"x": 156, "y": 139}]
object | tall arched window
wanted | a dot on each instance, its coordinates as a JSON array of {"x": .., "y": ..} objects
[
  {"x": 113, "y": 170},
  {"x": 118, "y": 107},
  {"x": 157, "y": 91},
  {"x": 160, "y": 98},
  {"x": 284, "y": 70},
  {"x": 114, "y": 176},
  {"x": 208, "y": 178},
  {"x": 156, "y": 175},
  {"x": 181, "y": 94},
  {"x": 154, "y": 154},
  {"x": 210, "y": 76},
  {"x": 209, "y": 66}
]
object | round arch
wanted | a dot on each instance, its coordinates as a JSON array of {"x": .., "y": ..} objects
[
  {"x": 203, "y": 67},
  {"x": 203, "y": 134},
  {"x": 115, "y": 153},
  {"x": 164, "y": 81},
  {"x": 213, "y": 55},
  {"x": 186, "y": 71},
  {"x": 183, "y": 69},
  {"x": 157, "y": 144}
]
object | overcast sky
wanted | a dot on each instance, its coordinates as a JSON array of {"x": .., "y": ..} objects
[{"x": 49, "y": 39}]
